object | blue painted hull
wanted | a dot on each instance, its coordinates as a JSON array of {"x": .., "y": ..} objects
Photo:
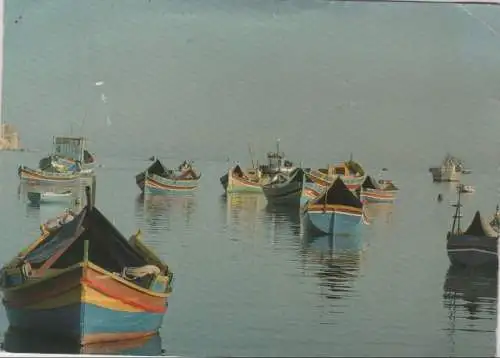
[
  {"x": 332, "y": 223},
  {"x": 78, "y": 321}
]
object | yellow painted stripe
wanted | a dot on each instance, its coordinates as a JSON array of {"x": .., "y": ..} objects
[
  {"x": 84, "y": 294},
  {"x": 95, "y": 297},
  {"x": 320, "y": 207}
]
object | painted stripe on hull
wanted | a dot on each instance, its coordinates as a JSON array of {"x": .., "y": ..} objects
[
  {"x": 47, "y": 179},
  {"x": 153, "y": 186},
  {"x": 352, "y": 183},
  {"x": 238, "y": 185},
  {"x": 86, "y": 322},
  {"x": 377, "y": 197}
]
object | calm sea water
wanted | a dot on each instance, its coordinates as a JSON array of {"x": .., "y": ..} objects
[{"x": 396, "y": 85}]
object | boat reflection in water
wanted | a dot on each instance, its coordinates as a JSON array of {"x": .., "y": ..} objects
[
  {"x": 284, "y": 221},
  {"x": 382, "y": 211},
  {"x": 336, "y": 260},
  {"x": 18, "y": 341},
  {"x": 244, "y": 209},
  {"x": 159, "y": 212},
  {"x": 470, "y": 295}
]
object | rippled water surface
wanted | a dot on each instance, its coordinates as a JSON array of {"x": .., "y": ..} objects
[{"x": 396, "y": 85}]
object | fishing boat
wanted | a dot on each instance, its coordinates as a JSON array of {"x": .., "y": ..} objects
[
  {"x": 477, "y": 245},
  {"x": 449, "y": 170},
  {"x": 336, "y": 211},
  {"x": 41, "y": 177},
  {"x": 351, "y": 173},
  {"x": 277, "y": 163},
  {"x": 382, "y": 192},
  {"x": 239, "y": 180},
  {"x": 310, "y": 189},
  {"x": 69, "y": 152},
  {"x": 82, "y": 279},
  {"x": 465, "y": 189},
  {"x": 158, "y": 179},
  {"x": 285, "y": 189},
  {"x": 49, "y": 197}
]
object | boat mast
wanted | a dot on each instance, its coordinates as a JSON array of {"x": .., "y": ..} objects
[
  {"x": 458, "y": 213},
  {"x": 278, "y": 152}
]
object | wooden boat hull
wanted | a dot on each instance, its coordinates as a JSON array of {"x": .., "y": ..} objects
[
  {"x": 286, "y": 193},
  {"x": 378, "y": 195},
  {"x": 333, "y": 219},
  {"x": 86, "y": 303},
  {"x": 234, "y": 184},
  {"x": 444, "y": 175},
  {"x": 154, "y": 184},
  {"x": 40, "y": 178},
  {"x": 310, "y": 191},
  {"x": 352, "y": 182},
  {"x": 473, "y": 251}
]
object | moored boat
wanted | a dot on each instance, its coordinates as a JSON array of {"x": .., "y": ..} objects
[
  {"x": 285, "y": 189},
  {"x": 40, "y": 177},
  {"x": 382, "y": 192},
  {"x": 83, "y": 280},
  {"x": 336, "y": 211},
  {"x": 157, "y": 179},
  {"x": 69, "y": 152},
  {"x": 449, "y": 170},
  {"x": 310, "y": 190},
  {"x": 477, "y": 245},
  {"x": 351, "y": 173},
  {"x": 465, "y": 189},
  {"x": 237, "y": 180}
]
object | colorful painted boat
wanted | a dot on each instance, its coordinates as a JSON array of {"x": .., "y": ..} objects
[
  {"x": 250, "y": 180},
  {"x": 158, "y": 179},
  {"x": 238, "y": 180},
  {"x": 20, "y": 341},
  {"x": 69, "y": 151},
  {"x": 49, "y": 197},
  {"x": 383, "y": 192},
  {"x": 351, "y": 173},
  {"x": 310, "y": 190},
  {"x": 83, "y": 280},
  {"x": 336, "y": 211},
  {"x": 285, "y": 189},
  {"x": 39, "y": 177}
]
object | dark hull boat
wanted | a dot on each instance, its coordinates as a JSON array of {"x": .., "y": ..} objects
[
  {"x": 83, "y": 280},
  {"x": 475, "y": 247},
  {"x": 285, "y": 189}
]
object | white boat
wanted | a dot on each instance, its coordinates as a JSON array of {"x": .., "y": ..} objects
[
  {"x": 49, "y": 197},
  {"x": 466, "y": 188}
]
